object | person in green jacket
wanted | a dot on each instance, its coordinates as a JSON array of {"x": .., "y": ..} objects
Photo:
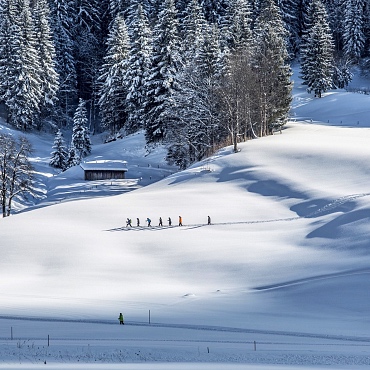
[{"x": 120, "y": 318}]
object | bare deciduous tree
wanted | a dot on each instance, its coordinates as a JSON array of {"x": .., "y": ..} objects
[
  {"x": 16, "y": 171},
  {"x": 237, "y": 95}
]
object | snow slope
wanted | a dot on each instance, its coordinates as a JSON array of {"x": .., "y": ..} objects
[{"x": 284, "y": 263}]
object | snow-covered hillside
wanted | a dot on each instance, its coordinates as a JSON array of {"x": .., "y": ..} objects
[{"x": 284, "y": 263}]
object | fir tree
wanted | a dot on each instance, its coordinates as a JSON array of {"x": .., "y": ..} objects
[
  {"x": 165, "y": 64},
  {"x": 46, "y": 52},
  {"x": 88, "y": 52},
  {"x": 272, "y": 68},
  {"x": 211, "y": 60},
  {"x": 194, "y": 28},
  {"x": 342, "y": 74},
  {"x": 317, "y": 51},
  {"x": 113, "y": 90},
  {"x": 6, "y": 47},
  {"x": 290, "y": 15},
  {"x": 80, "y": 136},
  {"x": 236, "y": 24},
  {"x": 336, "y": 10},
  {"x": 59, "y": 155},
  {"x": 61, "y": 12},
  {"x": 22, "y": 89},
  {"x": 353, "y": 35},
  {"x": 194, "y": 121},
  {"x": 214, "y": 10},
  {"x": 118, "y": 6},
  {"x": 139, "y": 64},
  {"x": 74, "y": 158}
]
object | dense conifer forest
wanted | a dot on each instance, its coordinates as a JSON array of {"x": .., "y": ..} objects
[{"x": 193, "y": 74}]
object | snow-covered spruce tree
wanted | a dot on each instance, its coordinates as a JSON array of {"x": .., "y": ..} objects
[
  {"x": 305, "y": 17},
  {"x": 88, "y": 37},
  {"x": 317, "y": 52},
  {"x": 211, "y": 59},
  {"x": 274, "y": 86},
  {"x": 81, "y": 142},
  {"x": 342, "y": 74},
  {"x": 336, "y": 10},
  {"x": 236, "y": 24},
  {"x": 88, "y": 15},
  {"x": 290, "y": 15},
  {"x": 138, "y": 69},
  {"x": 181, "y": 5},
  {"x": 194, "y": 120},
  {"x": 6, "y": 47},
  {"x": 256, "y": 8},
  {"x": 164, "y": 67},
  {"x": 61, "y": 12},
  {"x": 46, "y": 51},
  {"x": 193, "y": 29},
  {"x": 214, "y": 10},
  {"x": 59, "y": 155},
  {"x": 194, "y": 128},
  {"x": 113, "y": 89},
  {"x": 74, "y": 158},
  {"x": 22, "y": 93},
  {"x": 353, "y": 35},
  {"x": 118, "y": 6},
  {"x": 131, "y": 10}
]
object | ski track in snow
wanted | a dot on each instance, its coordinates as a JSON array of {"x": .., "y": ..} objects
[
  {"x": 330, "y": 206},
  {"x": 354, "y": 339}
]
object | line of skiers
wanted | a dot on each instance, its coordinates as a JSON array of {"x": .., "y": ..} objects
[{"x": 149, "y": 221}]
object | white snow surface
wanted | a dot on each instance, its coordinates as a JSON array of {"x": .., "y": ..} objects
[{"x": 279, "y": 280}]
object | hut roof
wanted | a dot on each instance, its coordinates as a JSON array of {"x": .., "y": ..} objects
[{"x": 101, "y": 165}]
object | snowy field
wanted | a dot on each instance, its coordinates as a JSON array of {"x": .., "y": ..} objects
[{"x": 279, "y": 280}]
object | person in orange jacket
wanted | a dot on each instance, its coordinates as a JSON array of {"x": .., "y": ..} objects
[{"x": 180, "y": 221}]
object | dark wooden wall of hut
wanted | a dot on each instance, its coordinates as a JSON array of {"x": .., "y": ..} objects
[{"x": 104, "y": 174}]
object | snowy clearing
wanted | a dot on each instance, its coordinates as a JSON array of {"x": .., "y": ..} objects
[{"x": 279, "y": 280}]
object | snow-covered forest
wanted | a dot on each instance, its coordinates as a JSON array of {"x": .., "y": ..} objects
[
  {"x": 194, "y": 74},
  {"x": 279, "y": 277}
]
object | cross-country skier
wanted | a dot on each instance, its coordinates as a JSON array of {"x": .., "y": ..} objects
[
  {"x": 180, "y": 221},
  {"x": 121, "y": 320},
  {"x": 128, "y": 222},
  {"x": 160, "y": 221},
  {"x": 148, "y": 220},
  {"x": 137, "y": 221},
  {"x": 169, "y": 221}
]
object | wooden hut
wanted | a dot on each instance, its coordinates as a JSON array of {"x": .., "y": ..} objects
[{"x": 104, "y": 169}]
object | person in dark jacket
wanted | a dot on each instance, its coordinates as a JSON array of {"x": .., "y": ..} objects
[
  {"x": 137, "y": 221},
  {"x": 121, "y": 320},
  {"x": 169, "y": 221},
  {"x": 160, "y": 222},
  {"x": 209, "y": 220},
  {"x": 148, "y": 220}
]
